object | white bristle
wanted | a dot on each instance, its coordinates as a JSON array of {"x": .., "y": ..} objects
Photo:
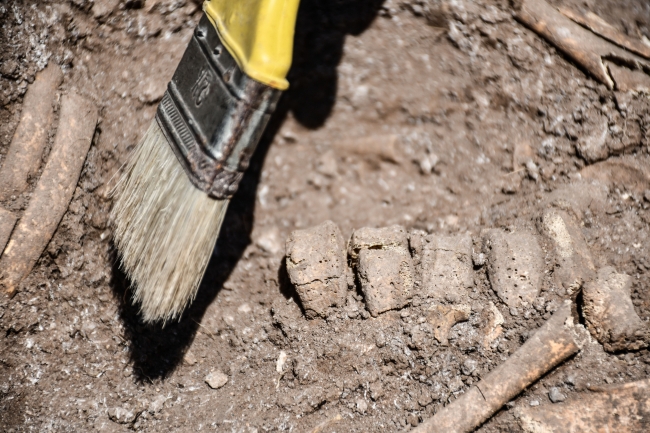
[{"x": 165, "y": 228}]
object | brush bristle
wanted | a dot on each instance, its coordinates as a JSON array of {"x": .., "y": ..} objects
[{"x": 165, "y": 228}]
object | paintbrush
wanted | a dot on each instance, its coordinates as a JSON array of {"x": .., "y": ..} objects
[{"x": 172, "y": 196}]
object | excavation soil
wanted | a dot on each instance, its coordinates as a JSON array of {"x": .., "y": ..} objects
[{"x": 464, "y": 87}]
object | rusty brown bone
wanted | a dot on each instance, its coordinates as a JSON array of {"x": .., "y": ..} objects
[
  {"x": 53, "y": 192},
  {"x": 553, "y": 343},
  {"x": 612, "y": 408},
  {"x": 581, "y": 45},
  {"x": 24, "y": 156}
]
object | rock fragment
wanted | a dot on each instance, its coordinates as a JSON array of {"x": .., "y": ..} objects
[
  {"x": 216, "y": 379},
  {"x": 157, "y": 404},
  {"x": 574, "y": 264},
  {"x": 121, "y": 415},
  {"x": 521, "y": 155},
  {"x": 556, "y": 396},
  {"x": 515, "y": 265},
  {"x": 610, "y": 314},
  {"x": 446, "y": 266},
  {"x": 469, "y": 366},
  {"x": 189, "y": 358},
  {"x": 613, "y": 408},
  {"x": 444, "y": 317},
  {"x": 269, "y": 240},
  {"x": 593, "y": 147},
  {"x": 511, "y": 182},
  {"x": 102, "y": 8},
  {"x": 384, "y": 267},
  {"x": 317, "y": 267}
]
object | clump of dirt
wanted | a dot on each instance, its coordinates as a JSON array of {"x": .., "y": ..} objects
[{"x": 489, "y": 121}]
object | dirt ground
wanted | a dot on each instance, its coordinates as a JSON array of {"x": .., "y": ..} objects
[{"x": 463, "y": 86}]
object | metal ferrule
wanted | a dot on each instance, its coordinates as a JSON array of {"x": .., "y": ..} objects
[{"x": 213, "y": 114}]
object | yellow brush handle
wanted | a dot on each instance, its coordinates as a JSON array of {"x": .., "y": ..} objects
[{"x": 258, "y": 34}]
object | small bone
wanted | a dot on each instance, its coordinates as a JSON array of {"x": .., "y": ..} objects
[
  {"x": 515, "y": 264},
  {"x": 316, "y": 266},
  {"x": 26, "y": 149},
  {"x": 553, "y": 343},
  {"x": 493, "y": 319},
  {"x": 384, "y": 267},
  {"x": 610, "y": 314},
  {"x": 381, "y": 146},
  {"x": 444, "y": 317},
  {"x": 54, "y": 190},
  {"x": 446, "y": 266},
  {"x": 574, "y": 263}
]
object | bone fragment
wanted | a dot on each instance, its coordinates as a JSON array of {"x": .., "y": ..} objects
[
  {"x": 584, "y": 47},
  {"x": 26, "y": 148},
  {"x": 444, "y": 317},
  {"x": 625, "y": 170},
  {"x": 573, "y": 261},
  {"x": 554, "y": 342},
  {"x": 492, "y": 319},
  {"x": 601, "y": 27},
  {"x": 316, "y": 266},
  {"x": 7, "y": 223},
  {"x": 613, "y": 408},
  {"x": 515, "y": 265},
  {"x": 381, "y": 146},
  {"x": 610, "y": 314},
  {"x": 53, "y": 192},
  {"x": 447, "y": 266},
  {"x": 384, "y": 267}
]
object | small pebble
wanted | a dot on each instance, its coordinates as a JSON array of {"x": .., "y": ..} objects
[
  {"x": 362, "y": 406},
  {"x": 121, "y": 415},
  {"x": 216, "y": 379},
  {"x": 468, "y": 366},
  {"x": 157, "y": 404},
  {"x": 534, "y": 402},
  {"x": 189, "y": 358},
  {"x": 532, "y": 169},
  {"x": 282, "y": 358},
  {"x": 556, "y": 396},
  {"x": 478, "y": 259},
  {"x": 570, "y": 380}
]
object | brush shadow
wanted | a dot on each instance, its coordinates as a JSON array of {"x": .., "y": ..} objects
[{"x": 321, "y": 29}]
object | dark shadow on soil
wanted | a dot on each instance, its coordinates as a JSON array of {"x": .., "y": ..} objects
[{"x": 320, "y": 34}]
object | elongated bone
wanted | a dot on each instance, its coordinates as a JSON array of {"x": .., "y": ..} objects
[
  {"x": 550, "y": 345},
  {"x": 599, "y": 26},
  {"x": 611, "y": 408},
  {"x": 7, "y": 223},
  {"x": 584, "y": 47},
  {"x": 26, "y": 149},
  {"x": 54, "y": 190}
]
